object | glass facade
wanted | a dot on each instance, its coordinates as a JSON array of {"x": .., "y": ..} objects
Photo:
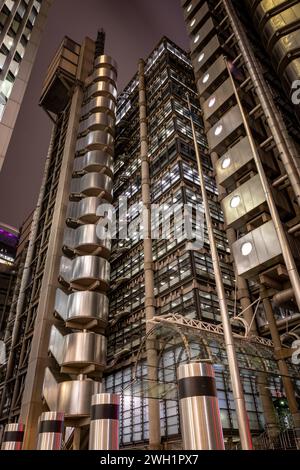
[{"x": 184, "y": 279}]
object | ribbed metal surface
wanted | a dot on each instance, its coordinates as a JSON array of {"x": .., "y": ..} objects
[
  {"x": 207, "y": 56},
  {"x": 93, "y": 184},
  {"x": 79, "y": 347},
  {"x": 89, "y": 239},
  {"x": 13, "y": 437},
  {"x": 87, "y": 269},
  {"x": 75, "y": 396},
  {"x": 95, "y": 140},
  {"x": 100, "y": 103},
  {"x": 199, "y": 409},
  {"x": 104, "y": 427},
  {"x": 98, "y": 121},
  {"x": 51, "y": 428},
  {"x": 94, "y": 161}
]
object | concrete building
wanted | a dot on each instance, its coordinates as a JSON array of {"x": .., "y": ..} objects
[
  {"x": 21, "y": 27},
  {"x": 94, "y": 314}
]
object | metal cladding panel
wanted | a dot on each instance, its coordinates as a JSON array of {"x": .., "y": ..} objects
[
  {"x": 88, "y": 209},
  {"x": 95, "y": 161},
  {"x": 211, "y": 77},
  {"x": 217, "y": 99},
  {"x": 98, "y": 121},
  {"x": 189, "y": 9},
  {"x": 100, "y": 103},
  {"x": 292, "y": 74},
  {"x": 50, "y": 390},
  {"x": 280, "y": 24},
  {"x": 61, "y": 302},
  {"x": 244, "y": 202},
  {"x": 193, "y": 25},
  {"x": 102, "y": 88},
  {"x": 90, "y": 268},
  {"x": 221, "y": 132},
  {"x": 104, "y": 73},
  {"x": 93, "y": 184},
  {"x": 238, "y": 160},
  {"x": 286, "y": 49},
  {"x": 106, "y": 61},
  {"x": 88, "y": 238},
  {"x": 265, "y": 9},
  {"x": 87, "y": 305},
  {"x": 74, "y": 397},
  {"x": 95, "y": 140},
  {"x": 56, "y": 344},
  {"x": 208, "y": 53},
  {"x": 65, "y": 268},
  {"x": 262, "y": 250},
  {"x": 84, "y": 348}
]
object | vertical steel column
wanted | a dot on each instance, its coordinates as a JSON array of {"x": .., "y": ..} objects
[
  {"x": 286, "y": 380},
  {"x": 238, "y": 393},
  {"x": 153, "y": 404},
  {"x": 284, "y": 244},
  {"x": 201, "y": 426},
  {"x": 104, "y": 427},
  {"x": 50, "y": 431},
  {"x": 13, "y": 437}
]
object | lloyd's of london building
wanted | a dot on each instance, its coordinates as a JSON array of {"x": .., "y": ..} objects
[{"x": 100, "y": 332}]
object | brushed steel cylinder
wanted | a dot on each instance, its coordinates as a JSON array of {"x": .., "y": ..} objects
[
  {"x": 50, "y": 431},
  {"x": 13, "y": 437},
  {"x": 74, "y": 397},
  {"x": 95, "y": 161},
  {"x": 86, "y": 306},
  {"x": 84, "y": 348},
  {"x": 104, "y": 427},
  {"x": 90, "y": 269},
  {"x": 201, "y": 426}
]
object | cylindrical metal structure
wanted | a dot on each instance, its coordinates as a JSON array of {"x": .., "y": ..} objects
[
  {"x": 238, "y": 394},
  {"x": 201, "y": 426},
  {"x": 104, "y": 427},
  {"x": 13, "y": 437},
  {"x": 50, "y": 431}
]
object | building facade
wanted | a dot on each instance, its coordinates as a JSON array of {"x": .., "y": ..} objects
[
  {"x": 245, "y": 57},
  {"x": 123, "y": 314},
  {"x": 21, "y": 27}
]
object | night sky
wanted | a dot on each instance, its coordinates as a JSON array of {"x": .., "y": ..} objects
[{"x": 133, "y": 28}]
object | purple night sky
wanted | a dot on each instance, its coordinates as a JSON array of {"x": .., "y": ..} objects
[{"x": 133, "y": 28}]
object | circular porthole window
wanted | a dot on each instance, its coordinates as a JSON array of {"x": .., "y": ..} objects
[
  {"x": 246, "y": 248},
  {"x": 193, "y": 22},
  {"x": 211, "y": 102},
  {"x": 218, "y": 130},
  {"x": 235, "y": 201},
  {"x": 205, "y": 78},
  {"x": 201, "y": 57},
  {"x": 196, "y": 39},
  {"x": 226, "y": 163},
  {"x": 189, "y": 8}
]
